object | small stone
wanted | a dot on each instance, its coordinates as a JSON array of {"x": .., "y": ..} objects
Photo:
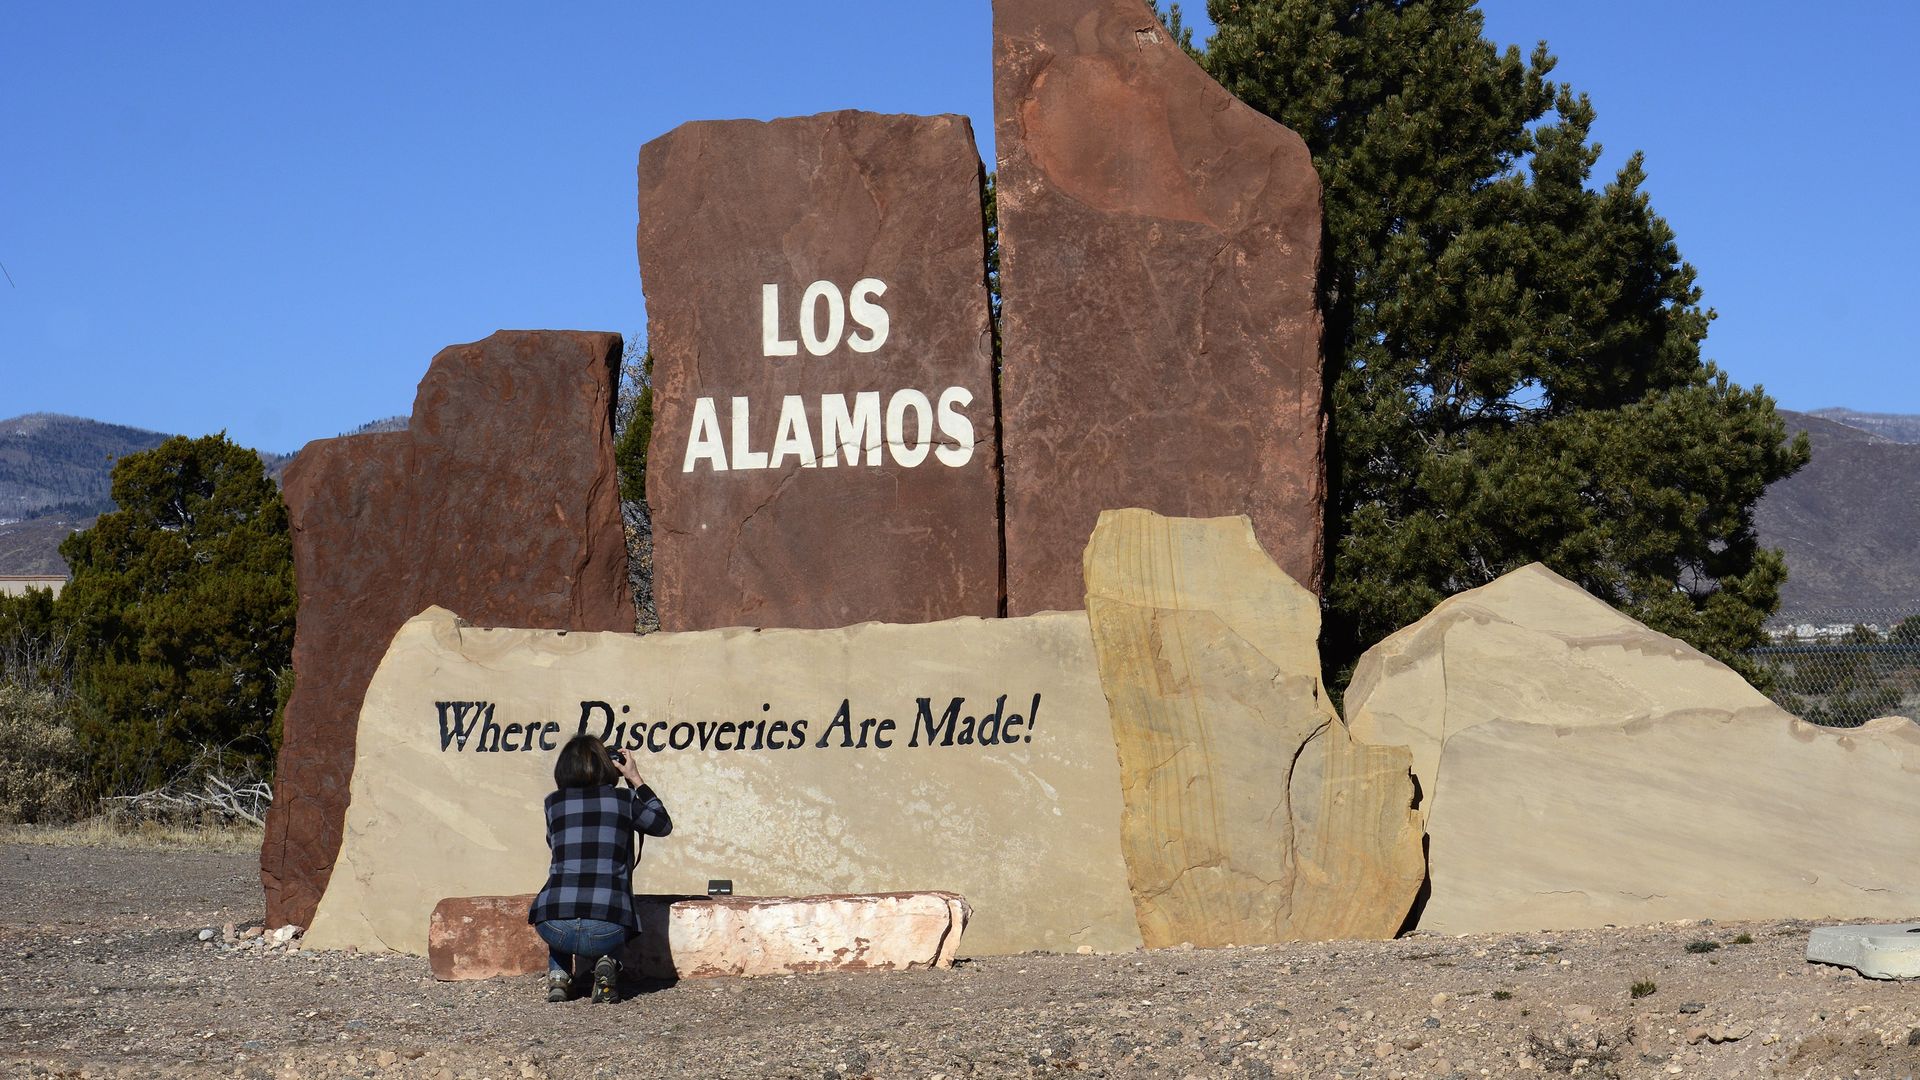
[
  {"x": 1691, "y": 1007},
  {"x": 1439, "y": 1000},
  {"x": 1432, "y": 1021},
  {"x": 1774, "y": 1037},
  {"x": 207, "y": 934},
  {"x": 1696, "y": 1034},
  {"x": 386, "y": 1059},
  {"x": 1383, "y": 1050},
  {"x": 252, "y": 932},
  {"x": 1084, "y": 950}
]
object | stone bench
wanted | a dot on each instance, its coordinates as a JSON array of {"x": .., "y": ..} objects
[{"x": 699, "y": 937}]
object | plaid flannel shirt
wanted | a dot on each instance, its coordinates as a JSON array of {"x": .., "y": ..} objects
[{"x": 594, "y": 836}]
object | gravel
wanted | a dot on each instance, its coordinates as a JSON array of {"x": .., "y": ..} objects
[{"x": 106, "y": 974}]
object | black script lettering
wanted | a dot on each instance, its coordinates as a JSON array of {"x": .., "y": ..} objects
[
  {"x": 880, "y": 734},
  {"x": 843, "y": 720},
  {"x": 866, "y": 729},
  {"x": 673, "y": 737},
  {"x": 551, "y": 727},
  {"x": 778, "y": 729},
  {"x": 466, "y": 716},
  {"x": 990, "y": 723},
  {"x": 655, "y": 737},
  {"x": 586, "y": 714},
  {"x": 488, "y": 729},
  {"x": 507, "y": 738},
  {"x": 726, "y": 729},
  {"x": 942, "y": 731},
  {"x": 799, "y": 735}
]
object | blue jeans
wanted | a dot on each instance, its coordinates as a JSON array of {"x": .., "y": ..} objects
[{"x": 589, "y": 939}]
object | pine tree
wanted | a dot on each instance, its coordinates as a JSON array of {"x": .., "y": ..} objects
[
  {"x": 181, "y": 609},
  {"x": 1514, "y": 355}
]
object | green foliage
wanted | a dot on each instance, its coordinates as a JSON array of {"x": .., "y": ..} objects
[
  {"x": 1743, "y": 939},
  {"x": 633, "y": 423},
  {"x": 1514, "y": 355},
  {"x": 1703, "y": 946},
  {"x": 1643, "y": 988},
  {"x": 181, "y": 609}
]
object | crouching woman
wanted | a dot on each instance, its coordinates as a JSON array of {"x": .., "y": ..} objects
[{"x": 585, "y": 911}]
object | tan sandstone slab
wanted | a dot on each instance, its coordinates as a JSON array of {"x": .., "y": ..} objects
[
  {"x": 1580, "y": 769},
  {"x": 483, "y": 937},
  {"x": 975, "y": 792},
  {"x": 1251, "y": 813}
]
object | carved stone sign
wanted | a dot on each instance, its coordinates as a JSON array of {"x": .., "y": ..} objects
[
  {"x": 1164, "y": 771},
  {"x": 971, "y": 756},
  {"x": 824, "y": 448},
  {"x": 499, "y": 498},
  {"x": 1160, "y": 245}
]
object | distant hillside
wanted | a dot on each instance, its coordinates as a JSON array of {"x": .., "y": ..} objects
[
  {"x": 1850, "y": 521},
  {"x": 1899, "y": 427},
  {"x": 49, "y": 461},
  {"x": 56, "y": 475}
]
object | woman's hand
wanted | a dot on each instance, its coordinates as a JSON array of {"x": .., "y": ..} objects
[{"x": 623, "y": 764}]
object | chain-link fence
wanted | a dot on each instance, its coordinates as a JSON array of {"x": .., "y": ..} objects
[{"x": 1842, "y": 669}]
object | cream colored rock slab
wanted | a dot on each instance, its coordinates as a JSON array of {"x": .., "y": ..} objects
[
  {"x": 1534, "y": 648},
  {"x": 1250, "y": 813},
  {"x": 486, "y": 937},
  {"x": 1027, "y": 830},
  {"x": 1694, "y": 815},
  {"x": 1878, "y": 952}
]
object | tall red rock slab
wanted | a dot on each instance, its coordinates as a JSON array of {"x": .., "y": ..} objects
[
  {"x": 824, "y": 446},
  {"x": 500, "y": 497},
  {"x": 347, "y": 505},
  {"x": 1159, "y": 249}
]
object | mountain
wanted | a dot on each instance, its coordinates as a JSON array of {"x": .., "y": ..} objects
[
  {"x": 49, "y": 461},
  {"x": 1897, "y": 427},
  {"x": 56, "y": 476},
  {"x": 1849, "y": 522}
]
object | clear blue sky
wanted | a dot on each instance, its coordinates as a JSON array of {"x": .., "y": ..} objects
[{"x": 267, "y": 218}]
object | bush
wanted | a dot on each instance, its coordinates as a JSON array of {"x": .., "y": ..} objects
[{"x": 40, "y": 767}]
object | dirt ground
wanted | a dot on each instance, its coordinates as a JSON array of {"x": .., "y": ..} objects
[{"x": 103, "y": 973}]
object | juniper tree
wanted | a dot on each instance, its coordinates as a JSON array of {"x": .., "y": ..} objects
[
  {"x": 181, "y": 609},
  {"x": 1514, "y": 353}
]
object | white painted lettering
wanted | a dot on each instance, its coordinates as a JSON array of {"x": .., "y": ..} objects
[
  {"x": 704, "y": 442},
  {"x": 904, "y": 455},
  {"x": 821, "y": 345},
  {"x": 743, "y": 456},
  {"x": 851, "y": 433},
  {"x": 794, "y": 436},
  {"x": 871, "y": 316},
  {"x": 956, "y": 427},
  {"x": 771, "y": 343}
]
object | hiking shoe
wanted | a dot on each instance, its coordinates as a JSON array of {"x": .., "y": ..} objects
[
  {"x": 606, "y": 980},
  {"x": 559, "y": 986}
]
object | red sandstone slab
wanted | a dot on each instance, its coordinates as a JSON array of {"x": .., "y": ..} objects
[
  {"x": 483, "y": 937},
  {"x": 824, "y": 445},
  {"x": 1160, "y": 245},
  {"x": 499, "y": 502}
]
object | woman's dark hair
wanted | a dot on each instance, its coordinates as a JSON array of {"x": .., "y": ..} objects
[{"x": 583, "y": 763}]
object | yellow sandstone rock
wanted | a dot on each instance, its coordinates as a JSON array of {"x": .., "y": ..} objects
[
  {"x": 1250, "y": 813},
  {"x": 1579, "y": 769}
]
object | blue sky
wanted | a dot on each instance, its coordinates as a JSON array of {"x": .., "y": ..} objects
[{"x": 268, "y": 219}]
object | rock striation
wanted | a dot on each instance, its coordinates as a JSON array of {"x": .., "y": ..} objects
[
  {"x": 499, "y": 497},
  {"x": 484, "y": 937},
  {"x": 1159, "y": 253},
  {"x": 1251, "y": 814},
  {"x": 824, "y": 446},
  {"x": 1579, "y": 769}
]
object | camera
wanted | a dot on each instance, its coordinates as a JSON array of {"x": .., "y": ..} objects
[{"x": 619, "y": 756}]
